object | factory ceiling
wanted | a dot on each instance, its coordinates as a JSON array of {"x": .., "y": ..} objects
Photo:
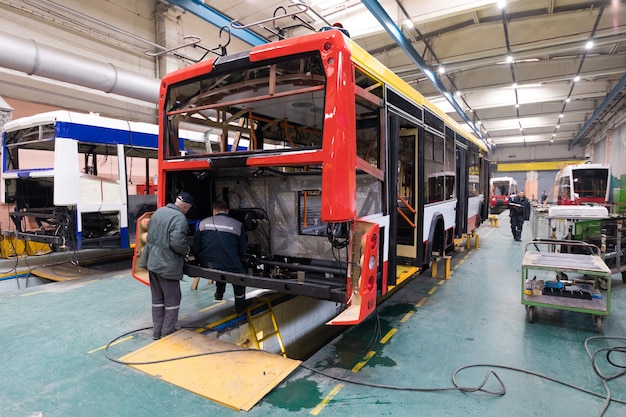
[{"x": 519, "y": 72}]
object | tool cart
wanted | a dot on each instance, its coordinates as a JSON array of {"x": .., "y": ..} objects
[
  {"x": 566, "y": 275},
  {"x": 607, "y": 232}
]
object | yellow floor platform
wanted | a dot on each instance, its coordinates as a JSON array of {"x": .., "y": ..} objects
[{"x": 238, "y": 378}]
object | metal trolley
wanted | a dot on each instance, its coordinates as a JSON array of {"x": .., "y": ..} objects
[{"x": 579, "y": 275}]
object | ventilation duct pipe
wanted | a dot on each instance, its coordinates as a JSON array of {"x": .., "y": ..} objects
[{"x": 33, "y": 58}]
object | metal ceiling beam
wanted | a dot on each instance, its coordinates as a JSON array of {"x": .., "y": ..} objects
[
  {"x": 607, "y": 100},
  {"x": 396, "y": 34},
  {"x": 198, "y": 8}
]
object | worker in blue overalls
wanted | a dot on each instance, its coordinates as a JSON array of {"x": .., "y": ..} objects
[
  {"x": 220, "y": 243},
  {"x": 519, "y": 211}
]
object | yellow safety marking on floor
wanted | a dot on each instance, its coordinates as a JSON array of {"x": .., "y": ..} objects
[
  {"x": 388, "y": 336},
  {"x": 441, "y": 282},
  {"x": 123, "y": 339},
  {"x": 239, "y": 377},
  {"x": 361, "y": 364},
  {"x": 432, "y": 291},
  {"x": 421, "y": 302},
  {"x": 215, "y": 323},
  {"x": 407, "y": 316},
  {"x": 211, "y": 307},
  {"x": 33, "y": 293},
  {"x": 318, "y": 408}
]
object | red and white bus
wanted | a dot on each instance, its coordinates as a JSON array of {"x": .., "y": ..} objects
[
  {"x": 500, "y": 189},
  {"x": 584, "y": 184},
  {"x": 346, "y": 178}
]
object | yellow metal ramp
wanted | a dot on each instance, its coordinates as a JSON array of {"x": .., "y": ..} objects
[{"x": 237, "y": 378}]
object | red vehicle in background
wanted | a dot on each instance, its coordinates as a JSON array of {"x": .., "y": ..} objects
[
  {"x": 584, "y": 184},
  {"x": 500, "y": 189}
]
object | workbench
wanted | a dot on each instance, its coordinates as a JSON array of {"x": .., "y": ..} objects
[{"x": 584, "y": 274}]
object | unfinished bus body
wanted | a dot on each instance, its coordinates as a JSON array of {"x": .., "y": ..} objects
[
  {"x": 70, "y": 175},
  {"x": 325, "y": 156},
  {"x": 584, "y": 184}
]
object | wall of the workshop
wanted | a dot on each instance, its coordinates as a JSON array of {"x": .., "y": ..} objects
[{"x": 111, "y": 31}]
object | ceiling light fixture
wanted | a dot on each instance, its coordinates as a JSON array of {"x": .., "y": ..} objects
[
  {"x": 560, "y": 115},
  {"x": 589, "y": 44},
  {"x": 441, "y": 69},
  {"x": 509, "y": 59},
  {"x": 567, "y": 100},
  {"x": 501, "y": 4},
  {"x": 577, "y": 78}
]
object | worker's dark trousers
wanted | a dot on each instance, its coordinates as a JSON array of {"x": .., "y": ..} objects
[
  {"x": 517, "y": 222},
  {"x": 165, "y": 304},
  {"x": 240, "y": 295}
]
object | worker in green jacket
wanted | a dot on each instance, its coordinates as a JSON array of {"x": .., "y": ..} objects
[{"x": 163, "y": 257}]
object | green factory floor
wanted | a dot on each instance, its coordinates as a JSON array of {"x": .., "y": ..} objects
[{"x": 430, "y": 337}]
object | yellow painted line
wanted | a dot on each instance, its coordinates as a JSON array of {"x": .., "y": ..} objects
[
  {"x": 318, "y": 409},
  {"x": 361, "y": 364},
  {"x": 390, "y": 333},
  {"x": 33, "y": 293},
  {"x": 461, "y": 261},
  {"x": 112, "y": 344},
  {"x": 215, "y": 305},
  {"x": 442, "y": 281},
  {"x": 432, "y": 291},
  {"x": 407, "y": 316},
  {"x": 216, "y": 323},
  {"x": 421, "y": 302}
]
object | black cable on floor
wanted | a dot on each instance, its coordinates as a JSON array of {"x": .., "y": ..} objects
[
  {"x": 175, "y": 358},
  {"x": 339, "y": 374},
  {"x": 481, "y": 387}
]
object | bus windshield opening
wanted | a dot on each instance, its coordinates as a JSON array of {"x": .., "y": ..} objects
[{"x": 277, "y": 106}]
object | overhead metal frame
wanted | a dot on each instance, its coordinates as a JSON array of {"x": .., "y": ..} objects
[
  {"x": 218, "y": 19},
  {"x": 596, "y": 114}
]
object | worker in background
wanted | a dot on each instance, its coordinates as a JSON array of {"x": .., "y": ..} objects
[
  {"x": 544, "y": 197},
  {"x": 519, "y": 211},
  {"x": 220, "y": 243},
  {"x": 163, "y": 257},
  {"x": 336, "y": 26}
]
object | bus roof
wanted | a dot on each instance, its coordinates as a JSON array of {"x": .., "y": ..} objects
[
  {"x": 362, "y": 57},
  {"x": 89, "y": 119}
]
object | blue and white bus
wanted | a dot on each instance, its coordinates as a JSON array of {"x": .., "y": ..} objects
[{"x": 76, "y": 180}]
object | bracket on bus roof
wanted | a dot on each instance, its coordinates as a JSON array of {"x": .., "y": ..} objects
[
  {"x": 278, "y": 31},
  {"x": 196, "y": 40}
]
